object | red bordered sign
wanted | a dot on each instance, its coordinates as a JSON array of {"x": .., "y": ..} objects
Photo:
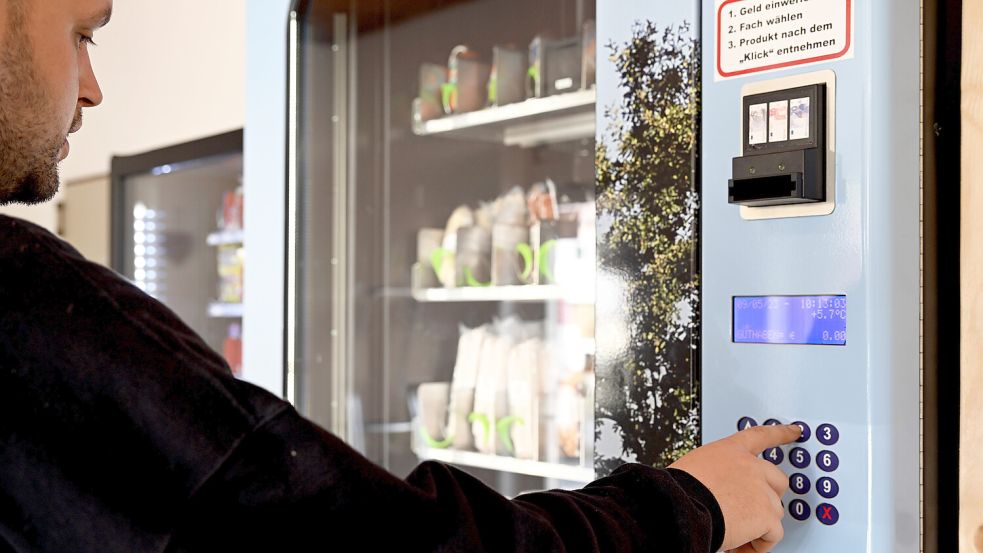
[{"x": 781, "y": 64}]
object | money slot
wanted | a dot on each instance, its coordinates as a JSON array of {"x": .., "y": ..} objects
[{"x": 784, "y": 149}]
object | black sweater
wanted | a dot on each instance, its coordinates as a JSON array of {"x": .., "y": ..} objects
[{"x": 121, "y": 431}]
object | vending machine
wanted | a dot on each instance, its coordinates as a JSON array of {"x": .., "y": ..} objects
[
  {"x": 821, "y": 256},
  {"x": 538, "y": 240}
]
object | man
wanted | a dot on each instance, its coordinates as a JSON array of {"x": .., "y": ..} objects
[{"x": 120, "y": 431}]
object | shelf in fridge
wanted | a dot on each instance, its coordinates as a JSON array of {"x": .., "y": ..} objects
[
  {"x": 533, "y": 122},
  {"x": 223, "y": 310},
  {"x": 525, "y": 293},
  {"x": 225, "y": 237},
  {"x": 559, "y": 471}
]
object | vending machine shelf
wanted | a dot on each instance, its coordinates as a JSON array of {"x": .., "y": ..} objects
[
  {"x": 225, "y": 237},
  {"x": 220, "y": 310},
  {"x": 559, "y": 471},
  {"x": 530, "y": 293},
  {"x": 533, "y": 122}
]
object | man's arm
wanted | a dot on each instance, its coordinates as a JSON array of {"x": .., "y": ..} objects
[
  {"x": 291, "y": 486},
  {"x": 121, "y": 431}
]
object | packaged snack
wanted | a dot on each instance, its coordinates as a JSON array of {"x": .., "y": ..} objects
[
  {"x": 465, "y": 90},
  {"x": 507, "y": 82}
]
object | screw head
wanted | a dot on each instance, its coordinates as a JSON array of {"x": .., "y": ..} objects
[
  {"x": 752, "y": 170},
  {"x": 781, "y": 166}
]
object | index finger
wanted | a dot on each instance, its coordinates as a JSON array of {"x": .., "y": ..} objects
[{"x": 760, "y": 438}]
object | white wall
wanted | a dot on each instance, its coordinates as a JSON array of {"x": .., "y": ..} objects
[
  {"x": 171, "y": 72},
  {"x": 264, "y": 183},
  {"x": 971, "y": 261}
]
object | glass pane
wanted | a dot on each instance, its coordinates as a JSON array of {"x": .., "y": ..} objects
[
  {"x": 444, "y": 240},
  {"x": 181, "y": 233}
]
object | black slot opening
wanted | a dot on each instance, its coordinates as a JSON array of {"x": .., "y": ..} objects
[{"x": 762, "y": 188}]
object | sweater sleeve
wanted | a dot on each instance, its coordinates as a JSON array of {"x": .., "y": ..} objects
[
  {"x": 292, "y": 486},
  {"x": 122, "y": 432}
]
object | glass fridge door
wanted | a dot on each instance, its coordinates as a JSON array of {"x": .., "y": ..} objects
[
  {"x": 441, "y": 233},
  {"x": 177, "y": 234}
]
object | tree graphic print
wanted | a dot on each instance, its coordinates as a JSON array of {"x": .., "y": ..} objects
[{"x": 648, "y": 213}]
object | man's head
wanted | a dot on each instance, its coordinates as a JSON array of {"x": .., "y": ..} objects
[{"x": 46, "y": 80}]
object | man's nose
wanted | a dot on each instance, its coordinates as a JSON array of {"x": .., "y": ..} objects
[{"x": 90, "y": 94}]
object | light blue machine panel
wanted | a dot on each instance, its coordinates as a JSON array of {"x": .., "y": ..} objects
[{"x": 811, "y": 313}]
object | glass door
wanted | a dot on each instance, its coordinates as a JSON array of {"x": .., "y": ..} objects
[
  {"x": 441, "y": 233},
  {"x": 178, "y": 234}
]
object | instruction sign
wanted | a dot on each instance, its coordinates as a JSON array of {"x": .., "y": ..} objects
[{"x": 754, "y": 36}]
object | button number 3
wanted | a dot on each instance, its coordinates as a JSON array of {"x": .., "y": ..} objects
[{"x": 827, "y": 434}]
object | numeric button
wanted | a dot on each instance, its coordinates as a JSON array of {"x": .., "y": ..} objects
[
  {"x": 827, "y": 487},
  {"x": 799, "y": 509},
  {"x": 799, "y": 458},
  {"x": 746, "y": 422},
  {"x": 774, "y": 455},
  {"x": 806, "y": 432},
  {"x": 799, "y": 483},
  {"x": 827, "y": 434},
  {"x": 827, "y": 461},
  {"x": 827, "y": 514}
]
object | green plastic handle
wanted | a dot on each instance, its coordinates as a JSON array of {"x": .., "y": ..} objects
[
  {"x": 432, "y": 443},
  {"x": 544, "y": 267},
  {"x": 447, "y": 92},
  {"x": 437, "y": 259},
  {"x": 504, "y": 425},
  {"x": 492, "y": 90},
  {"x": 482, "y": 419},
  {"x": 525, "y": 250},
  {"x": 473, "y": 282}
]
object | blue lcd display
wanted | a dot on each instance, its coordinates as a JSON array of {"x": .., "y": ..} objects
[{"x": 810, "y": 320}]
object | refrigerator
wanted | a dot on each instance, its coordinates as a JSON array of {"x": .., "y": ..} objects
[
  {"x": 491, "y": 233},
  {"x": 177, "y": 234}
]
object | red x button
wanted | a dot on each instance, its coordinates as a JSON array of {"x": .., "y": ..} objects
[{"x": 827, "y": 514}]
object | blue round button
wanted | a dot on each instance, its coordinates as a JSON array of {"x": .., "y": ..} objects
[
  {"x": 827, "y": 487},
  {"x": 806, "y": 431},
  {"x": 827, "y": 514},
  {"x": 799, "y": 483},
  {"x": 745, "y": 423},
  {"x": 799, "y": 458},
  {"x": 799, "y": 509},
  {"x": 827, "y": 434},
  {"x": 774, "y": 455},
  {"x": 772, "y": 422},
  {"x": 827, "y": 461}
]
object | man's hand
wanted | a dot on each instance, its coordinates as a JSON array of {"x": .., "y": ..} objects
[{"x": 748, "y": 489}]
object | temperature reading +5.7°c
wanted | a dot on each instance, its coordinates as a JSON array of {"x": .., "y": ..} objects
[{"x": 817, "y": 320}]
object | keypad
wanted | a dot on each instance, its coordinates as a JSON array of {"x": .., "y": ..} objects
[{"x": 811, "y": 497}]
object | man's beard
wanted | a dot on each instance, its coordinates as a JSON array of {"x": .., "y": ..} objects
[{"x": 29, "y": 148}]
